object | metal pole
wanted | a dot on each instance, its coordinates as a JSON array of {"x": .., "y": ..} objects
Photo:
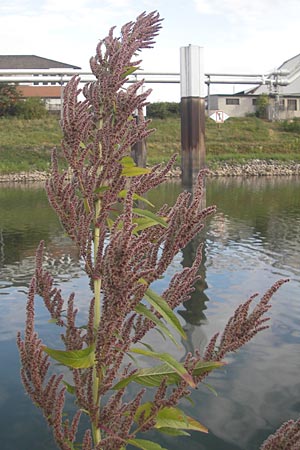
[
  {"x": 61, "y": 97},
  {"x": 192, "y": 85}
]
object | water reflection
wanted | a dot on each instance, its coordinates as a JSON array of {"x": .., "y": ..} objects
[{"x": 252, "y": 240}]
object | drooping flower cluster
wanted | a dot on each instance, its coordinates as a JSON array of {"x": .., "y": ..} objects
[{"x": 124, "y": 249}]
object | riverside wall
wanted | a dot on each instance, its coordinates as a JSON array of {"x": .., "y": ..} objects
[{"x": 227, "y": 169}]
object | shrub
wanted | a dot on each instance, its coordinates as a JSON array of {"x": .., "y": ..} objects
[
  {"x": 162, "y": 110},
  {"x": 291, "y": 126},
  {"x": 31, "y": 108},
  {"x": 262, "y": 106}
]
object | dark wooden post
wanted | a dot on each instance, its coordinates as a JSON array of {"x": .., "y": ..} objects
[
  {"x": 192, "y": 113},
  {"x": 139, "y": 149},
  {"x": 139, "y": 153}
]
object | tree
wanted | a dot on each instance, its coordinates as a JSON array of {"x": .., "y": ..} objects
[{"x": 9, "y": 98}]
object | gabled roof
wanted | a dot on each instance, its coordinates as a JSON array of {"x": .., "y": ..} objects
[
  {"x": 293, "y": 88},
  {"x": 31, "y": 62},
  {"x": 291, "y": 64}
]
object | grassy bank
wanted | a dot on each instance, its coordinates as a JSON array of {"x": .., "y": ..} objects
[{"x": 25, "y": 145}]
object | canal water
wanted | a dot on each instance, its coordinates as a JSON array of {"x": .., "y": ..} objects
[{"x": 252, "y": 241}]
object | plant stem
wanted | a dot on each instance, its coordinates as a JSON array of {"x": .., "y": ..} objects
[{"x": 97, "y": 307}]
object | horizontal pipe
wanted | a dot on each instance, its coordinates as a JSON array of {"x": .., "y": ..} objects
[
  {"x": 59, "y": 80},
  {"x": 236, "y": 75}
]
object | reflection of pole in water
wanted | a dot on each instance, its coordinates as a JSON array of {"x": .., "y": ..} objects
[
  {"x": 193, "y": 313},
  {"x": 1, "y": 247}
]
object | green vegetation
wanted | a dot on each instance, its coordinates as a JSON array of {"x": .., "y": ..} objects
[
  {"x": 9, "y": 98},
  {"x": 163, "y": 110},
  {"x": 238, "y": 139},
  {"x": 262, "y": 106},
  {"x": 11, "y": 104},
  {"x": 26, "y": 144},
  {"x": 31, "y": 108}
]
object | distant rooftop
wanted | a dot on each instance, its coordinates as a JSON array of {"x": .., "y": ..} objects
[{"x": 12, "y": 62}]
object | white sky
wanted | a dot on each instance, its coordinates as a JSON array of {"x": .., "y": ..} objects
[{"x": 238, "y": 36}]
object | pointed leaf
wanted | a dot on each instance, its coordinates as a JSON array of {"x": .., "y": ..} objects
[
  {"x": 142, "y": 223},
  {"x": 129, "y": 70},
  {"x": 162, "y": 307},
  {"x": 123, "y": 193},
  {"x": 210, "y": 388},
  {"x": 175, "y": 418},
  {"x": 127, "y": 161},
  {"x": 148, "y": 346},
  {"x": 134, "y": 171},
  {"x": 101, "y": 189},
  {"x": 70, "y": 388},
  {"x": 145, "y": 408},
  {"x": 77, "y": 359},
  {"x": 150, "y": 215},
  {"x": 195, "y": 425},
  {"x": 172, "y": 418},
  {"x": 152, "y": 377},
  {"x": 170, "y": 361},
  {"x": 141, "y": 309},
  {"x": 173, "y": 431},
  {"x": 145, "y": 445}
]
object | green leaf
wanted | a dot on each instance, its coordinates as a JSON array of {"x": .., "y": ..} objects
[
  {"x": 77, "y": 359},
  {"x": 101, "y": 189},
  {"x": 52, "y": 320},
  {"x": 162, "y": 307},
  {"x": 150, "y": 215},
  {"x": 110, "y": 223},
  {"x": 175, "y": 418},
  {"x": 170, "y": 361},
  {"x": 127, "y": 161},
  {"x": 142, "y": 309},
  {"x": 86, "y": 205},
  {"x": 145, "y": 408},
  {"x": 207, "y": 366},
  {"x": 148, "y": 346},
  {"x": 70, "y": 388},
  {"x": 130, "y": 169},
  {"x": 129, "y": 70},
  {"x": 153, "y": 376},
  {"x": 210, "y": 388},
  {"x": 123, "y": 193},
  {"x": 145, "y": 445},
  {"x": 134, "y": 171},
  {"x": 143, "y": 223},
  {"x": 173, "y": 431}
]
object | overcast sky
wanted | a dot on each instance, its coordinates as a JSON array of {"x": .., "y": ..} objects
[{"x": 238, "y": 36}]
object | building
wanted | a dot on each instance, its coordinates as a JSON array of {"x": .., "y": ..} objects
[
  {"x": 237, "y": 105},
  {"x": 282, "y": 87},
  {"x": 43, "y": 87}
]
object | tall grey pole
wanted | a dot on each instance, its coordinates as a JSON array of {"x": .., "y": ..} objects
[{"x": 192, "y": 87}]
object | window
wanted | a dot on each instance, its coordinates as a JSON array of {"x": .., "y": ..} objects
[
  {"x": 254, "y": 101},
  {"x": 232, "y": 101},
  {"x": 292, "y": 104},
  {"x": 281, "y": 104}
]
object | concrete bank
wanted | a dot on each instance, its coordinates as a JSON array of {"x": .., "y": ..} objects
[{"x": 251, "y": 168}]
